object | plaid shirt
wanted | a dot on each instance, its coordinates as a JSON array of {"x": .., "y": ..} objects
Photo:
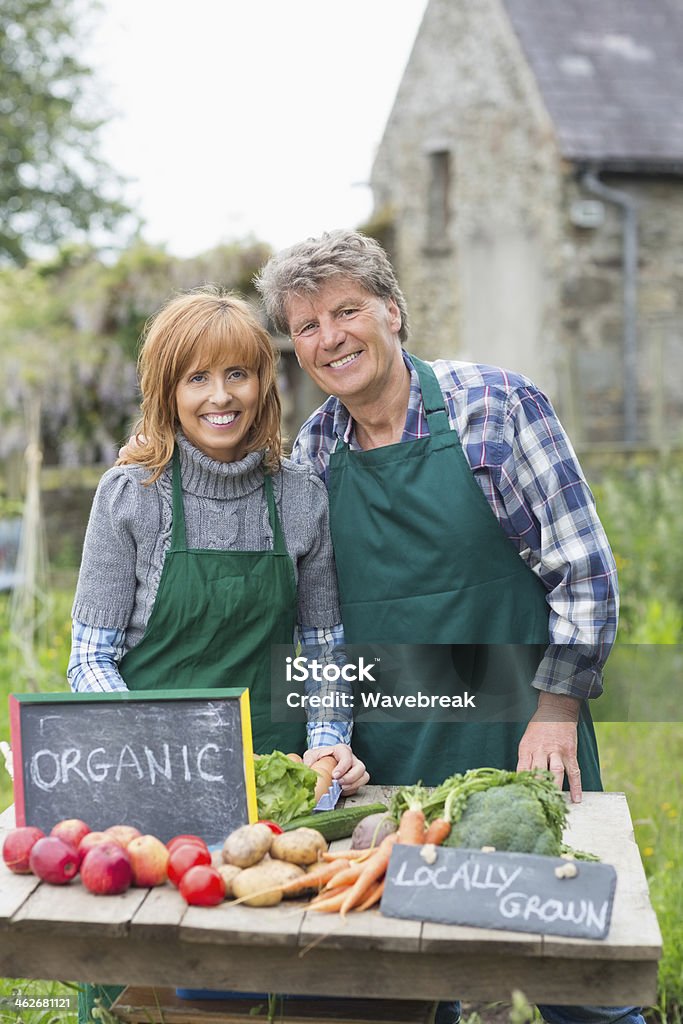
[
  {"x": 97, "y": 651},
  {"x": 525, "y": 465}
]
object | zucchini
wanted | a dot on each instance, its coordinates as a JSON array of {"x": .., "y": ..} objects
[{"x": 337, "y": 824}]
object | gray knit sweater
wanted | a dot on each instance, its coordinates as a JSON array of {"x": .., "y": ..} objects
[{"x": 129, "y": 532}]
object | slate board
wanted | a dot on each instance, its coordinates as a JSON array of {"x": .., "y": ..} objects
[
  {"x": 509, "y": 891},
  {"x": 166, "y": 762}
]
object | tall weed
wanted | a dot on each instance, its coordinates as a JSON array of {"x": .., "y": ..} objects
[{"x": 642, "y": 512}]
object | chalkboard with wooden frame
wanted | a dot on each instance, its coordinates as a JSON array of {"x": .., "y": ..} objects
[{"x": 167, "y": 762}]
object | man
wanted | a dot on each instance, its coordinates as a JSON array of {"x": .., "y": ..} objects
[
  {"x": 459, "y": 516},
  {"x": 421, "y": 557}
]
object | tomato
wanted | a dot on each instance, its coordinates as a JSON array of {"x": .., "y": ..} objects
[
  {"x": 182, "y": 839},
  {"x": 202, "y": 886},
  {"x": 183, "y": 857},
  {"x": 272, "y": 825}
]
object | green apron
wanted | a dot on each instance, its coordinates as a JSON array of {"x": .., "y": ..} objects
[
  {"x": 215, "y": 617},
  {"x": 422, "y": 559}
]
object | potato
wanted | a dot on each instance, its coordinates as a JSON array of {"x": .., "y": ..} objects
[
  {"x": 300, "y": 846},
  {"x": 247, "y": 845},
  {"x": 228, "y": 873},
  {"x": 260, "y": 885},
  {"x": 282, "y": 871},
  {"x": 371, "y": 830}
]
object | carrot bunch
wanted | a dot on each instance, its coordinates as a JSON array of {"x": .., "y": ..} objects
[
  {"x": 356, "y": 879},
  {"x": 358, "y": 883}
]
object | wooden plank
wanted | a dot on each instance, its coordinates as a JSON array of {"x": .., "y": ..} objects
[
  {"x": 14, "y": 891},
  {"x": 249, "y": 926},
  {"x": 450, "y": 938},
  {"x": 67, "y": 910},
  {"x": 161, "y": 911},
  {"x": 360, "y": 973},
  {"x": 368, "y": 930},
  {"x": 370, "y": 795},
  {"x": 156, "y": 1006},
  {"x": 601, "y": 824}
]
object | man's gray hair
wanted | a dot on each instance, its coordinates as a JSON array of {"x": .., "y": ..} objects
[{"x": 303, "y": 268}]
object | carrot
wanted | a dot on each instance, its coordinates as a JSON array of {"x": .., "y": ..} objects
[
  {"x": 374, "y": 896},
  {"x": 330, "y": 855},
  {"x": 315, "y": 879},
  {"x": 348, "y": 875},
  {"x": 411, "y": 827},
  {"x": 438, "y": 831},
  {"x": 374, "y": 869},
  {"x": 327, "y": 894},
  {"x": 332, "y": 904}
]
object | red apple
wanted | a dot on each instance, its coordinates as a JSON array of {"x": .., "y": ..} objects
[
  {"x": 149, "y": 860},
  {"x": 71, "y": 830},
  {"x": 94, "y": 839},
  {"x": 53, "y": 860},
  {"x": 17, "y": 847},
  {"x": 106, "y": 869},
  {"x": 123, "y": 833}
]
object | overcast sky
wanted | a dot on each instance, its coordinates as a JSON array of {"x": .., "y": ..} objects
[{"x": 239, "y": 117}]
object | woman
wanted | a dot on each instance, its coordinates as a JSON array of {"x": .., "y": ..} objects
[{"x": 205, "y": 547}]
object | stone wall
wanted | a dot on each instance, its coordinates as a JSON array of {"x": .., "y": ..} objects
[{"x": 592, "y": 317}]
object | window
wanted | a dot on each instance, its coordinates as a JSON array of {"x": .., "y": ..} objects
[{"x": 439, "y": 181}]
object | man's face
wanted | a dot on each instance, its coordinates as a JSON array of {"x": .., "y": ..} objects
[{"x": 346, "y": 339}]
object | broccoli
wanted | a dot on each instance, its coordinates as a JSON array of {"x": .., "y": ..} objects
[
  {"x": 506, "y": 817},
  {"x": 523, "y": 812}
]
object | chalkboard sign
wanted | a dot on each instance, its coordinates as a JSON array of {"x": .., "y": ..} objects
[
  {"x": 511, "y": 891},
  {"x": 165, "y": 761}
]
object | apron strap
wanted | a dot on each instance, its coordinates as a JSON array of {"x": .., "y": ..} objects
[
  {"x": 178, "y": 537},
  {"x": 279, "y": 546},
  {"x": 432, "y": 399}
]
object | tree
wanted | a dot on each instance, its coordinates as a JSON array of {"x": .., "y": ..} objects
[
  {"x": 70, "y": 328},
  {"x": 53, "y": 184}
]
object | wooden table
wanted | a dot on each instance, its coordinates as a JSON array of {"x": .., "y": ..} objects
[{"x": 151, "y": 937}]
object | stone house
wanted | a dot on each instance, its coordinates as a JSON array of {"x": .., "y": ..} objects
[{"x": 529, "y": 186}]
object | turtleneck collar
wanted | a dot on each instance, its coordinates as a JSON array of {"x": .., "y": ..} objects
[{"x": 207, "y": 478}]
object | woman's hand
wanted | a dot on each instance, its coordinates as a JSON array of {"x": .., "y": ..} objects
[{"x": 350, "y": 772}]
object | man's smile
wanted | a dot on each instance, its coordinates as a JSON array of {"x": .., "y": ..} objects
[{"x": 344, "y": 360}]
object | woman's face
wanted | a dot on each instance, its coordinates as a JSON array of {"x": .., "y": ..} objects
[{"x": 217, "y": 406}]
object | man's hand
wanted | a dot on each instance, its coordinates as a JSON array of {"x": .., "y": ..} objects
[
  {"x": 550, "y": 741},
  {"x": 350, "y": 773},
  {"x": 134, "y": 441}
]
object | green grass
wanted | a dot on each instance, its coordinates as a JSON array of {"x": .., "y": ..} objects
[
  {"x": 63, "y": 999},
  {"x": 52, "y": 657},
  {"x": 643, "y": 760}
]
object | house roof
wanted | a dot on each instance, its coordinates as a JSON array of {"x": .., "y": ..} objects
[{"x": 611, "y": 76}]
